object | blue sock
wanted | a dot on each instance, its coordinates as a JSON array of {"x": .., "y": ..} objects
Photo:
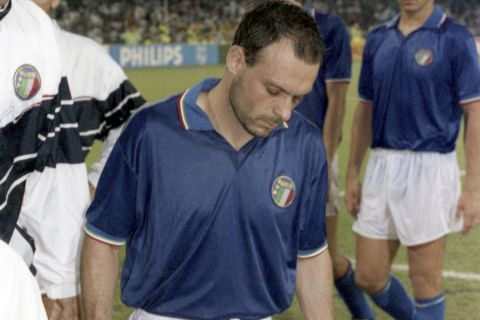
[
  {"x": 353, "y": 296},
  {"x": 431, "y": 308},
  {"x": 394, "y": 300}
]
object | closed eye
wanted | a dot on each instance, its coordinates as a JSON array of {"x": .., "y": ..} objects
[{"x": 273, "y": 91}]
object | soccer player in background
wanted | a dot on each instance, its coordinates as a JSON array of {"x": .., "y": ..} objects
[
  {"x": 102, "y": 99},
  {"x": 32, "y": 96},
  {"x": 325, "y": 107},
  {"x": 220, "y": 192},
  {"x": 419, "y": 75}
]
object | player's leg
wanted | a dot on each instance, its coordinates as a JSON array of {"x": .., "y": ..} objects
[
  {"x": 429, "y": 198},
  {"x": 425, "y": 271},
  {"x": 374, "y": 259},
  {"x": 344, "y": 276}
]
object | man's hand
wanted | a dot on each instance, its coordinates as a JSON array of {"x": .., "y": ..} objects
[
  {"x": 353, "y": 194},
  {"x": 468, "y": 207}
]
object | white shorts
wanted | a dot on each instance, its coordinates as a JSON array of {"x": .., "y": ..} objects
[
  {"x": 409, "y": 196},
  {"x": 140, "y": 314},
  {"x": 333, "y": 201}
]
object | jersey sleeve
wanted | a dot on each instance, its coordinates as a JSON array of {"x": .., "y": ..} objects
[
  {"x": 365, "y": 82},
  {"x": 338, "y": 57},
  {"x": 313, "y": 235},
  {"x": 466, "y": 68},
  {"x": 95, "y": 170},
  {"x": 112, "y": 214}
]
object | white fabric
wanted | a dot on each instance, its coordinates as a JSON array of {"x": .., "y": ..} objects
[
  {"x": 22, "y": 247},
  {"x": 19, "y": 295},
  {"x": 26, "y": 37},
  {"x": 91, "y": 73},
  {"x": 55, "y": 219},
  {"x": 333, "y": 201},
  {"x": 143, "y": 315},
  {"x": 410, "y": 196},
  {"x": 95, "y": 170}
]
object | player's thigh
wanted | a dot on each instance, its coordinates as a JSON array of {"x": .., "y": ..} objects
[
  {"x": 425, "y": 267},
  {"x": 374, "y": 259}
]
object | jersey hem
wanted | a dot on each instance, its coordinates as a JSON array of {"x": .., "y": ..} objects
[
  {"x": 98, "y": 235},
  {"x": 311, "y": 254},
  {"x": 468, "y": 100},
  {"x": 338, "y": 80}
]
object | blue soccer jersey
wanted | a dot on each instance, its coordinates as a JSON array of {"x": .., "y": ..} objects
[
  {"x": 211, "y": 232},
  {"x": 336, "y": 66},
  {"x": 417, "y": 83}
]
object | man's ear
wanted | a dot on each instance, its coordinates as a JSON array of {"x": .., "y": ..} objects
[{"x": 235, "y": 59}]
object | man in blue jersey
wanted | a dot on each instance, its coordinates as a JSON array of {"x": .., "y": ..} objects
[
  {"x": 220, "y": 192},
  {"x": 419, "y": 74},
  {"x": 325, "y": 107}
]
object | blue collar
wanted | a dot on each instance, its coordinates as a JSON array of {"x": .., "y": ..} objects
[
  {"x": 436, "y": 19},
  {"x": 191, "y": 116}
]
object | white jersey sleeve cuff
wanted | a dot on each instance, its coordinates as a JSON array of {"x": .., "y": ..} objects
[{"x": 62, "y": 291}]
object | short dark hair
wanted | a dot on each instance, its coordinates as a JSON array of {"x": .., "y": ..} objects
[{"x": 273, "y": 20}]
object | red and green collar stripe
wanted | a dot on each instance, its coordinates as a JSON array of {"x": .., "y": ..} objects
[{"x": 181, "y": 111}]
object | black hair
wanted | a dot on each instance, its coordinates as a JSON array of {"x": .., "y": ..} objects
[{"x": 273, "y": 20}]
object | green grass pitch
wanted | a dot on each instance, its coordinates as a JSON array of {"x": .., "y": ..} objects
[{"x": 463, "y": 253}]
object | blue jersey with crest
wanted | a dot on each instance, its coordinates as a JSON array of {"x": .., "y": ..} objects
[
  {"x": 211, "y": 232},
  {"x": 418, "y": 82}
]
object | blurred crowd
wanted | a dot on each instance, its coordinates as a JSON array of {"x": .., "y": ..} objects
[{"x": 213, "y": 21}]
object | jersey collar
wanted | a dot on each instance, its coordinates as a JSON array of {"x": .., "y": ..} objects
[
  {"x": 191, "y": 116},
  {"x": 436, "y": 19}
]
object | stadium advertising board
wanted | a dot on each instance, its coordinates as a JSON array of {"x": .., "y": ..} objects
[{"x": 146, "y": 56}]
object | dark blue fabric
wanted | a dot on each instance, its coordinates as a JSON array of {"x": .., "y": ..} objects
[
  {"x": 394, "y": 300},
  {"x": 353, "y": 296},
  {"x": 430, "y": 309},
  {"x": 417, "y": 104},
  {"x": 336, "y": 66},
  {"x": 205, "y": 240}
]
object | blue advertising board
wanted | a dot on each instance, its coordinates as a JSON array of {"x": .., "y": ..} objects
[{"x": 145, "y": 56}]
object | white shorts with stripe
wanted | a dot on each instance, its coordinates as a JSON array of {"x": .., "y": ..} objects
[
  {"x": 409, "y": 196},
  {"x": 140, "y": 314}
]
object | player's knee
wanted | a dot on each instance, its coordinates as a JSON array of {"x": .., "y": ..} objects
[
  {"x": 370, "y": 282},
  {"x": 426, "y": 283},
  {"x": 340, "y": 264}
]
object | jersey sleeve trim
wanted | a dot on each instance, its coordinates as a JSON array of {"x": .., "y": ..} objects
[
  {"x": 364, "y": 99},
  {"x": 470, "y": 99},
  {"x": 312, "y": 253},
  {"x": 101, "y": 236},
  {"x": 338, "y": 80}
]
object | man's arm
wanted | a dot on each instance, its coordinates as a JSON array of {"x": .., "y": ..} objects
[
  {"x": 332, "y": 127},
  {"x": 99, "y": 272},
  {"x": 315, "y": 286},
  {"x": 469, "y": 201},
  {"x": 360, "y": 141}
]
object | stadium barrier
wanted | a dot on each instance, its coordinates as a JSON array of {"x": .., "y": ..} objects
[
  {"x": 160, "y": 55},
  {"x": 149, "y": 56}
]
